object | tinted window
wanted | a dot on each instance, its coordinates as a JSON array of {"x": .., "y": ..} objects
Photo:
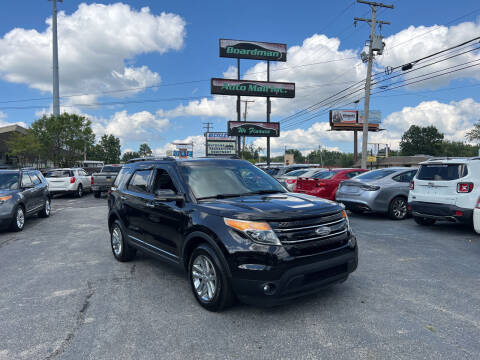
[
  {"x": 325, "y": 175},
  {"x": 297, "y": 172},
  {"x": 163, "y": 181},
  {"x": 233, "y": 178},
  {"x": 442, "y": 172},
  {"x": 405, "y": 177},
  {"x": 26, "y": 181},
  {"x": 139, "y": 181},
  {"x": 59, "y": 173},
  {"x": 272, "y": 172},
  {"x": 121, "y": 175},
  {"x": 36, "y": 180},
  {"x": 9, "y": 181},
  {"x": 376, "y": 174},
  {"x": 111, "y": 169}
]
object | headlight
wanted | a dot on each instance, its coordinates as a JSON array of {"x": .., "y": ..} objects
[
  {"x": 344, "y": 214},
  {"x": 5, "y": 198},
  {"x": 259, "y": 232}
]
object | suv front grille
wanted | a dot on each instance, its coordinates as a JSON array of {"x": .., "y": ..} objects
[{"x": 319, "y": 234}]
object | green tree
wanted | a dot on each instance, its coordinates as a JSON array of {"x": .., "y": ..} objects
[
  {"x": 25, "y": 147},
  {"x": 144, "y": 150},
  {"x": 110, "y": 146},
  {"x": 421, "y": 140},
  {"x": 63, "y": 138},
  {"x": 458, "y": 148},
  {"x": 130, "y": 155}
]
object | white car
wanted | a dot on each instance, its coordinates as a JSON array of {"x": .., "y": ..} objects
[
  {"x": 69, "y": 181},
  {"x": 290, "y": 180},
  {"x": 446, "y": 189}
]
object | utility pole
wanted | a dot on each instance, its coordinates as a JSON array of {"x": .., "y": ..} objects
[
  {"x": 56, "y": 91},
  {"x": 245, "y": 119},
  {"x": 373, "y": 23},
  {"x": 321, "y": 157},
  {"x": 206, "y": 127}
]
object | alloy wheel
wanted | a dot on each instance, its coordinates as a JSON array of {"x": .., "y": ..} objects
[
  {"x": 399, "y": 208},
  {"x": 20, "y": 218},
  {"x": 116, "y": 239},
  {"x": 204, "y": 278}
]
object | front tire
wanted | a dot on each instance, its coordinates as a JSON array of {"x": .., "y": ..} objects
[
  {"x": 18, "y": 221},
  {"x": 398, "y": 208},
  {"x": 208, "y": 279},
  {"x": 424, "y": 221},
  {"x": 46, "y": 209},
  {"x": 120, "y": 248}
]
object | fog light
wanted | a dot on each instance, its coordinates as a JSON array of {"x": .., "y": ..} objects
[
  {"x": 269, "y": 289},
  {"x": 266, "y": 288},
  {"x": 352, "y": 242}
]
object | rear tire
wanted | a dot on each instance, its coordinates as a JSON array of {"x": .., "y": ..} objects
[
  {"x": 397, "y": 209},
  {"x": 18, "y": 221},
  {"x": 120, "y": 248},
  {"x": 208, "y": 279},
  {"x": 97, "y": 194},
  {"x": 79, "y": 192},
  {"x": 424, "y": 221},
  {"x": 46, "y": 209}
]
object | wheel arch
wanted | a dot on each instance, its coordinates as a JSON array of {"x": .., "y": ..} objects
[{"x": 194, "y": 239}]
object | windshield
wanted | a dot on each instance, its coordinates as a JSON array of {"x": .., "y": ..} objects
[
  {"x": 375, "y": 174},
  {"x": 59, "y": 173},
  {"x": 111, "y": 169},
  {"x": 442, "y": 172},
  {"x": 9, "y": 181},
  {"x": 325, "y": 175},
  {"x": 228, "y": 179}
]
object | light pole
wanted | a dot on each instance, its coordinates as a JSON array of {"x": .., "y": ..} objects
[{"x": 56, "y": 91}]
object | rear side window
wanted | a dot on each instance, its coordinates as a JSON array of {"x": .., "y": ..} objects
[
  {"x": 121, "y": 176},
  {"x": 376, "y": 174},
  {"x": 325, "y": 175},
  {"x": 139, "y": 181},
  {"x": 405, "y": 177},
  {"x": 59, "y": 173},
  {"x": 442, "y": 172}
]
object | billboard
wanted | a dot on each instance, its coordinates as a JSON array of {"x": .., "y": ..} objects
[
  {"x": 249, "y": 128},
  {"x": 252, "y": 88},
  {"x": 374, "y": 117},
  {"x": 255, "y": 50},
  {"x": 214, "y": 136},
  {"x": 183, "y": 153},
  {"x": 349, "y": 120},
  {"x": 216, "y": 148}
]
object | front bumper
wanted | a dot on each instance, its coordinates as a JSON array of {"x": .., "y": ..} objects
[
  {"x": 441, "y": 212},
  {"x": 295, "y": 277}
]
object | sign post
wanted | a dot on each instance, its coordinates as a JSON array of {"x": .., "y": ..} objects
[{"x": 255, "y": 50}]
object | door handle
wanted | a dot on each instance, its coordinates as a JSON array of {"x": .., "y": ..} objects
[
  {"x": 150, "y": 205},
  {"x": 123, "y": 198}
]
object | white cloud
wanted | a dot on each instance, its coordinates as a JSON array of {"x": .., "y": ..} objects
[
  {"x": 453, "y": 119},
  {"x": 95, "y": 42},
  {"x": 141, "y": 126}
]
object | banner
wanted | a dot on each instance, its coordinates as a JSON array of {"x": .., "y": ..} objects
[
  {"x": 256, "y": 50},
  {"x": 248, "y": 128},
  {"x": 252, "y": 88}
]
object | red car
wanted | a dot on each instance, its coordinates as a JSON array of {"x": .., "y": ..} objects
[{"x": 325, "y": 183}]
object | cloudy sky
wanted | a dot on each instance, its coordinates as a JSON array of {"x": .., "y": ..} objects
[{"x": 140, "y": 69}]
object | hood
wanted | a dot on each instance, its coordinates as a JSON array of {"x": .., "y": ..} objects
[
  {"x": 270, "y": 207},
  {"x": 5, "y": 192}
]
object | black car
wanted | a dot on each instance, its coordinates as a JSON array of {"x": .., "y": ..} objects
[
  {"x": 232, "y": 227},
  {"x": 22, "y": 193}
]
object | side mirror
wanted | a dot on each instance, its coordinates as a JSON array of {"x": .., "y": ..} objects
[{"x": 168, "y": 196}]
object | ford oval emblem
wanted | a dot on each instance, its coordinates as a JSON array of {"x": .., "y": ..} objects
[{"x": 323, "y": 230}]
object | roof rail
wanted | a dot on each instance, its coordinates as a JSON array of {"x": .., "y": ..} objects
[{"x": 150, "y": 158}]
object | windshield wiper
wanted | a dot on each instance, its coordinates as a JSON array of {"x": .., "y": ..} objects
[
  {"x": 221, "y": 196},
  {"x": 262, "y": 192}
]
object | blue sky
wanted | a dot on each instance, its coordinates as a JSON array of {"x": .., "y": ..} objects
[{"x": 119, "y": 46}]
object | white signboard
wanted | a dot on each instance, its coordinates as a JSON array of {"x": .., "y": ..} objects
[{"x": 221, "y": 148}]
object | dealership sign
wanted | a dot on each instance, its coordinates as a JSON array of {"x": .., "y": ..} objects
[
  {"x": 216, "y": 148},
  {"x": 214, "y": 136},
  {"x": 256, "y": 50},
  {"x": 252, "y": 88},
  {"x": 248, "y": 128}
]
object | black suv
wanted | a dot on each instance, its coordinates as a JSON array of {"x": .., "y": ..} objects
[
  {"x": 232, "y": 227},
  {"x": 22, "y": 193}
]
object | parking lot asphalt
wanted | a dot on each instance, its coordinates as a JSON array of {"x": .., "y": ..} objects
[{"x": 415, "y": 295}]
